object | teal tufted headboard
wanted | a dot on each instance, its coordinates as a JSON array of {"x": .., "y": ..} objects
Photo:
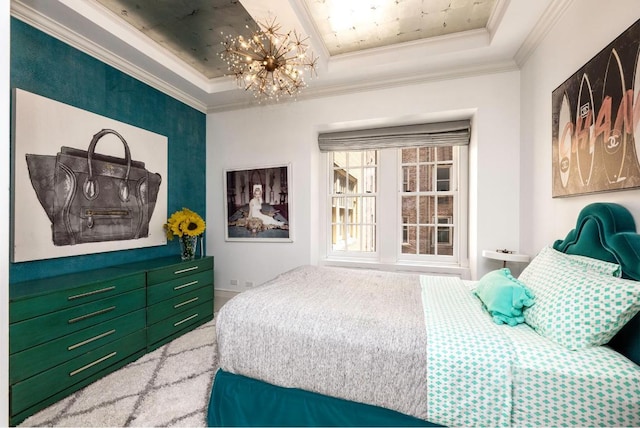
[{"x": 607, "y": 231}]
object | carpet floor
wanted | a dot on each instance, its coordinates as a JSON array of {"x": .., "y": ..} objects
[{"x": 168, "y": 387}]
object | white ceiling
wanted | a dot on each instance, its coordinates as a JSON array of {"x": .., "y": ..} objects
[{"x": 173, "y": 46}]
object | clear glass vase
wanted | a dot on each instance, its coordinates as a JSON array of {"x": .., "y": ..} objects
[{"x": 188, "y": 246}]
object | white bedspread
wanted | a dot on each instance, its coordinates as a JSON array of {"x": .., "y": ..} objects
[{"x": 352, "y": 334}]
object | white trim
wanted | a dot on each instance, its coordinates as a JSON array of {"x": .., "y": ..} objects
[{"x": 546, "y": 22}]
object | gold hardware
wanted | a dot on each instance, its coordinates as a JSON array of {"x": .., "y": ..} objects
[
  {"x": 84, "y": 342},
  {"x": 88, "y": 366},
  {"x": 185, "y": 270},
  {"x": 185, "y": 303},
  {"x": 185, "y": 320},
  {"x": 92, "y": 314},
  {"x": 178, "y": 287},
  {"x": 91, "y": 293}
]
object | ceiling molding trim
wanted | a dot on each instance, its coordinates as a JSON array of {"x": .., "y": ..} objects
[
  {"x": 394, "y": 82},
  {"x": 54, "y": 29},
  {"x": 547, "y": 21},
  {"x": 497, "y": 14}
]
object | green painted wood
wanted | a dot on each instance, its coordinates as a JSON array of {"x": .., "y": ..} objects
[
  {"x": 39, "y": 297},
  {"x": 35, "y": 331},
  {"x": 153, "y": 346},
  {"x": 175, "y": 287},
  {"x": 37, "y": 388},
  {"x": 43, "y": 357},
  {"x": 181, "y": 303},
  {"x": 178, "y": 322},
  {"x": 179, "y": 270},
  {"x": 18, "y": 417}
]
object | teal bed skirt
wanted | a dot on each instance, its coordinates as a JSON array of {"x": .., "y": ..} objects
[{"x": 241, "y": 401}]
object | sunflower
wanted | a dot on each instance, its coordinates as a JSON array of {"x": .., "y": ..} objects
[{"x": 184, "y": 222}]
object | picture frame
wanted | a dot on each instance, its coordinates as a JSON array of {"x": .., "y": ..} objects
[
  {"x": 60, "y": 210},
  {"x": 595, "y": 131},
  {"x": 258, "y": 204}
]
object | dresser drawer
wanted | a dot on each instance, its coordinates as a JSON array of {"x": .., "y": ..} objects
[
  {"x": 177, "y": 322},
  {"x": 183, "y": 302},
  {"x": 178, "y": 286},
  {"x": 35, "y": 331},
  {"x": 24, "y": 308},
  {"x": 40, "y": 358},
  {"x": 180, "y": 270},
  {"x": 37, "y": 388}
]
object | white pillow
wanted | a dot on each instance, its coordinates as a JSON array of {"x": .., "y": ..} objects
[{"x": 577, "y": 306}]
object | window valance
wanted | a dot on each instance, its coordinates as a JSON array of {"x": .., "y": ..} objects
[{"x": 453, "y": 133}]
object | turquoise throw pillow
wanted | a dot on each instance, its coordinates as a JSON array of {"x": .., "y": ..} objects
[{"x": 504, "y": 297}]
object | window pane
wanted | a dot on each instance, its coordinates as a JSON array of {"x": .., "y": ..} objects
[
  {"x": 444, "y": 178},
  {"x": 356, "y": 181},
  {"x": 369, "y": 210},
  {"x": 337, "y": 207},
  {"x": 355, "y": 158},
  {"x": 368, "y": 238},
  {"x": 339, "y": 159},
  {"x": 445, "y": 153},
  {"x": 427, "y": 209},
  {"x": 370, "y": 157},
  {"x": 426, "y": 240},
  {"x": 426, "y": 178},
  {"x": 427, "y": 154},
  {"x": 409, "y": 178},
  {"x": 409, "y": 214},
  {"x": 339, "y": 181},
  {"x": 338, "y": 241},
  {"x": 445, "y": 206},
  {"x": 351, "y": 210},
  {"x": 370, "y": 180},
  {"x": 409, "y": 155},
  {"x": 445, "y": 241},
  {"x": 409, "y": 246}
]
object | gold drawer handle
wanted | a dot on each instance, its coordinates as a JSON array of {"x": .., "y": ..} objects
[
  {"x": 178, "y": 287},
  {"x": 93, "y": 339},
  {"x": 88, "y": 366},
  {"x": 185, "y": 270},
  {"x": 185, "y": 320},
  {"x": 91, "y": 293},
  {"x": 92, "y": 314},
  {"x": 185, "y": 302}
]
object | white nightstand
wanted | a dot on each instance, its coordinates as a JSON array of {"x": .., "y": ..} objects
[{"x": 505, "y": 256}]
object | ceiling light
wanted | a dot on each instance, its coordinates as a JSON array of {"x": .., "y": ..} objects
[{"x": 269, "y": 63}]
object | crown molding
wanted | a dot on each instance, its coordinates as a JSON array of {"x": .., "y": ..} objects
[
  {"x": 47, "y": 25},
  {"x": 546, "y": 22},
  {"x": 390, "y": 83}
]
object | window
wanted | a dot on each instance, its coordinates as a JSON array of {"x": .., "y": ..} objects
[
  {"x": 416, "y": 191},
  {"x": 397, "y": 195}
]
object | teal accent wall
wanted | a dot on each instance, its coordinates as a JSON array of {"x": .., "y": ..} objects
[{"x": 46, "y": 66}]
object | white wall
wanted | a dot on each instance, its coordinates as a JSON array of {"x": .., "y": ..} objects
[
  {"x": 585, "y": 28},
  {"x": 288, "y": 133}
]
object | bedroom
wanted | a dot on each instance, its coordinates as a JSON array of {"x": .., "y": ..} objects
[{"x": 511, "y": 204}]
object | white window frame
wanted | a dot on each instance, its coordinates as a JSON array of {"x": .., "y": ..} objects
[{"x": 388, "y": 254}]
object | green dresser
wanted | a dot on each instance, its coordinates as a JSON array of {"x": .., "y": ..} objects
[{"x": 68, "y": 331}]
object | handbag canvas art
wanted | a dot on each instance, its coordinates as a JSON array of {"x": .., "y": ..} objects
[{"x": 83, "y": 183}]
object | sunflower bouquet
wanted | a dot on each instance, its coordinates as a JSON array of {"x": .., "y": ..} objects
[{"x": 184, "y": 223}]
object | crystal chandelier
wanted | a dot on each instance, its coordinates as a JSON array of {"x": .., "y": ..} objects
[{"x": 269, "y": 63}]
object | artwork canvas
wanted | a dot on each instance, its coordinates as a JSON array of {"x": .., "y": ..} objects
[
  {"x": 83, "y": 183},
  {"x": 258, "y": 204},
  {"x": 595, "y": 117}
]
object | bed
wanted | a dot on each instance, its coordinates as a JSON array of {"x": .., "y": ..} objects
[{"x": 320, "y": 346}]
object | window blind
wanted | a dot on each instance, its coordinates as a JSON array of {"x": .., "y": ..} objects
[{"x": 454, "y": 133}]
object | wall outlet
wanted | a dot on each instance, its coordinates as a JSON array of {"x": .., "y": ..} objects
[
  {"x": 234, "y": 282},
  {"x": 248, "y": 284}
]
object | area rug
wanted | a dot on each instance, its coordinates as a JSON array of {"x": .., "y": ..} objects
[{"x": 168, "y": 387}]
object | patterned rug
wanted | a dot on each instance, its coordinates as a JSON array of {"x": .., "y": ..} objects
[{"x": 169, "y": 387}]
